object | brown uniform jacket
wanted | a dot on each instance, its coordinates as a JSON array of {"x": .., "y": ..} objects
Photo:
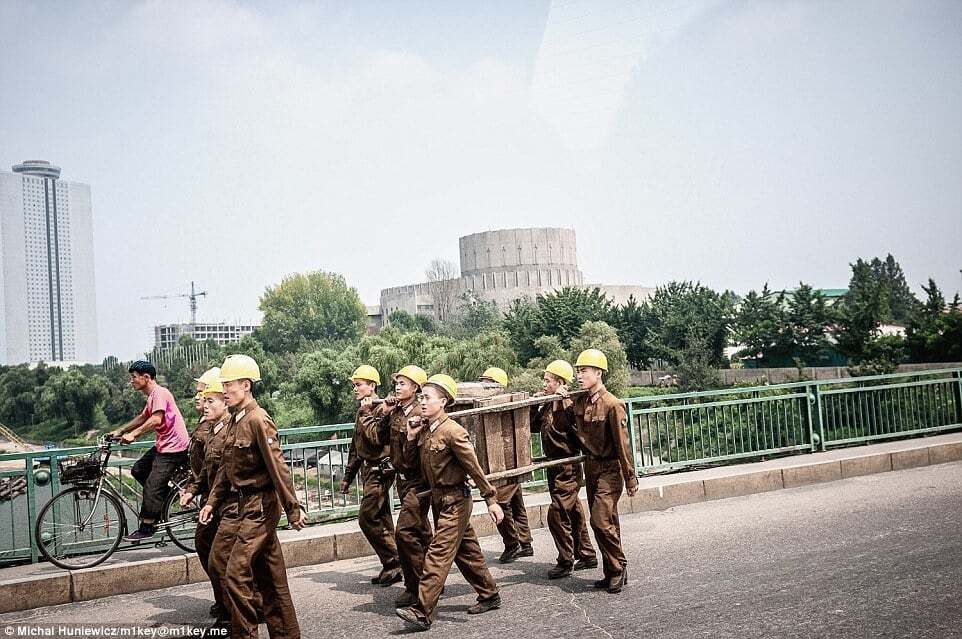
[
  {"x": 390, "y": 428},
  {"x": 601, "y": 426},
  {"x": 554, "y": 421},
  {"x": 447, "y": 458},
  {"x": 364, "y": 444},
  {"x": 213, "y": 452},
  {"x": 253, "y": 460},
  {"x": 195, "y": 450}
]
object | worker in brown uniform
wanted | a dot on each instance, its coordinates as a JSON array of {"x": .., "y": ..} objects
[
  {"x": 566, "y": 517},
  {"x": 372, "y": 460},
  {"x": 514, "y": 529},
  {"x": 412, "y": 533},
  {"x": 601, "y": 427},
  {"x": 443, "y": 449},
  {"x": 208, "y": 445},
  {"x": 253, "y": 472}
]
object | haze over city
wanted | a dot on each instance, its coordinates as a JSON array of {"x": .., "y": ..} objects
[{"x": 731, "y": 143}]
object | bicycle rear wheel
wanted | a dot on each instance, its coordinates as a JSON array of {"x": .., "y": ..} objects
[
  {"x": 180, "y": 522},
  {"x": 77, "y": 530}
]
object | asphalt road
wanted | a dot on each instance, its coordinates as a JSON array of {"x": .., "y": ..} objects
[{"x": 875, "y": 556}]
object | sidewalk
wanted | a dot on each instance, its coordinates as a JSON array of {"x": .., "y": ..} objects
[{"x": 37, "y": 585}]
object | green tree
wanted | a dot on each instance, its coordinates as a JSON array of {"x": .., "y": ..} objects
[
  {"x": 122, "y": 404},
  {"x": 549, "y": 348},
  {"x": 877, "y": 294},
  {"x": 560, "y": 313},
  {"x": 74, "y": 398},
  {"x": 902, "y": 302},
  {"x": 631, "y": 322},
  {"x": 20, "y": 393},
  {"x": 522, "y": 324},
  {"x": 762, "y": 324},
  {"x": 809, "y": 319},
  {"x": 696, "y": 370},
  {"x": 323, "y": 378},
  {"x": 680, "y": 311},
  {"x": 881, "y": 356},
  {"x": 934, "y": 334},
  {"x": 407, "y": 323},
  {"x": 604, "y": 337},
  {"x": 472, "y": 316},
  {"x": 466, "y": 359},
  {"x": 779, "y": 329},
  {"x": 311, "y": 307}
]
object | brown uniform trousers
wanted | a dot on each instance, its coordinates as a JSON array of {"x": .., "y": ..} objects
[
  {"x": 600, "y": 424},
  {"x": 374, "y": 513},
  {"x": 514, "y": 527},
  {"x": 196, "y": 456},
  {"x": 206, "y": 452},
  {"x": 253, "y": 472},
  {"x": 412, "y": 534},
  {"x": 447, "y": 459},
  {"x": 566, "y": 517}
]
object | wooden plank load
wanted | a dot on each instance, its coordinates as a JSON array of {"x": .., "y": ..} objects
[{"x": 501, "y": 438}]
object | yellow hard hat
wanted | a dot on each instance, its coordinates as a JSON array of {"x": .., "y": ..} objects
[
  {"x": 368, "y": 373},
  {"x": 562, "y": 369},
  {"x": 414, "y": 373},
  {"x": 209, "y": 375},
  {"x": 239, "y": 367},
  {"x": 496, "y": 374},
  {"x": 445, "y": 383},
  {"x": 215, "y": 387},
  {"x": 593, "y": 357}
]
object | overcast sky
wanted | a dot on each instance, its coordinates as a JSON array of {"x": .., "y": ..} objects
[{"x": 734, "y": 143}]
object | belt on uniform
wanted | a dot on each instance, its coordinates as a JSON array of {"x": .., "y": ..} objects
[
  {"x": 439, "y": 491},
  {"x": 382, "y": 466},
  {"x": 245, "y": 491}
]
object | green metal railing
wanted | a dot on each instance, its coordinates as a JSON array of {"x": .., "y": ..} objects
[
  {"x": 678, "y": 431},
  {"x": 667, "y": 432}
]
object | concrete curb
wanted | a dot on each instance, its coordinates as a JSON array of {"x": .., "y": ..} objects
[{"x": 343, "y": 541}]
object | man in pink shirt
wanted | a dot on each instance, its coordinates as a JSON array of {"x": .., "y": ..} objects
[{"x": 155, "y": 469}]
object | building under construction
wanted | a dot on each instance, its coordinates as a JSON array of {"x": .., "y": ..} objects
[{"x": 167, "y": 335}]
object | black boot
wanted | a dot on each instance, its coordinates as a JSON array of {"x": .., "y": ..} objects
[
  {"x": 413, "y": 620},
  {"x": 510, "y": 554},
  {"x": 619, "y": 583},
  {"x": 484, "y": 605},
  {"x": 526, "y": 551},
  {"x": 585, "y": 564},
  {"x": 563, "y": 569}
]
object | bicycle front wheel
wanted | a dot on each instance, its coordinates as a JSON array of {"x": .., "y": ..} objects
[
  {"x": 76, "y": 529},
  {"x": 180, "y": 522}
]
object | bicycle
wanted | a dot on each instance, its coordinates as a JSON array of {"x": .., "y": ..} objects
[{"x": 83, "y": 525}]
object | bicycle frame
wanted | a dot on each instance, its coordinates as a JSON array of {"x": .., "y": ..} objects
[{"x": 106, "y": 481}]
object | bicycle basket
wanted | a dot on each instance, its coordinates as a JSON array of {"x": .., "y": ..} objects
[{"x": 80, "y": 469}]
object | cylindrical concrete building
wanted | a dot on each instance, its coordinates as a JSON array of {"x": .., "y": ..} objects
[{"x": 501, "y": 266}]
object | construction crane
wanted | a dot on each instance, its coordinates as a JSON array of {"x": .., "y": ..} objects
[{"x": 192, "y": 296}]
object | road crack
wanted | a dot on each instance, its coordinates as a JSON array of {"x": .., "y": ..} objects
[{"x": 573, "y": 604}]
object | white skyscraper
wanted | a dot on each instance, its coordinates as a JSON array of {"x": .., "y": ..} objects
[{"x": 48, "y": 307}]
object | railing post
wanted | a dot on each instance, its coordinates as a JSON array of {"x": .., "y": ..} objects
[
  {"x": 958, "y": 395},
  {"x": 818, "y": 423},
  {"x": 631, "y": 438},
  {"x": 31, "y": 509}
]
